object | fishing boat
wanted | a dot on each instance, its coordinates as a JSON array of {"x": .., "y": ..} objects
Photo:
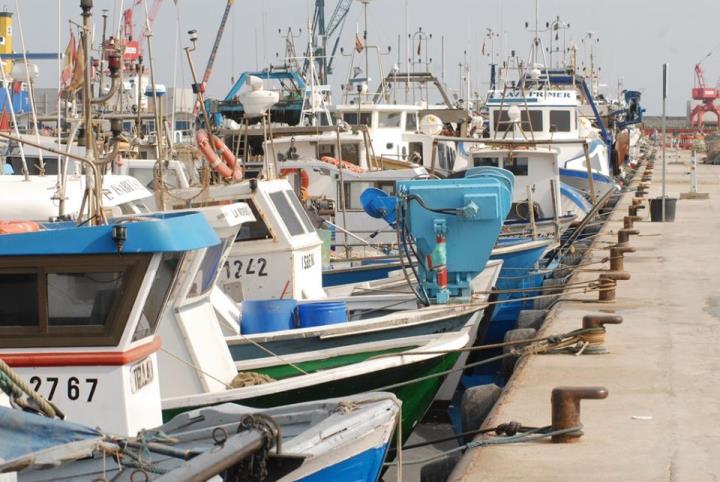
[
  {"x": 86, "y": 342},
  {"x": 325, "y": 440},
  {"x": 395, "y": 351}
]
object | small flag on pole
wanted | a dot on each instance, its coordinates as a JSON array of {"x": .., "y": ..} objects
[{"x": 358, "y": 44}]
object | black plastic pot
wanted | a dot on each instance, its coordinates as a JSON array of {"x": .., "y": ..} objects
[{"x": 656, "y": 206}]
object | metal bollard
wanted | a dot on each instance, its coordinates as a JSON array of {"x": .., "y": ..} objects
[
  {"x": 607, "y": 281},
  {"x": 624, "y": 236},
  {"x": 632, "y": 210},
  {"x": 599, "y": 321},
  {"x": 566, "y": 409},
  {"x": 617, "y": 258},
  {"x": 628, "y": 221}
]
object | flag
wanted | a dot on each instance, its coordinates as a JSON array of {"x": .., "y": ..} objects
[
  {"x": 419, "y": 46},
  {"x": 358, "y": 44},
  {"x": 482, "y": 50},
  {"x": 78, "y": 74},
  {"x": 68, "y": 63},
  {"x": 4, "y": 122}
]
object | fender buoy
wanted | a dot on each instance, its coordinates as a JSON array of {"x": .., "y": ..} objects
[
  {"x": 15, "y": 227},
  {"x": 227, "y": 166},
  {"x": 345, "y": 164},
  {"x": 304, "y": 178}
]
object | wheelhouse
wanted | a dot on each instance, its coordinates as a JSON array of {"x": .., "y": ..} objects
[{"x": 81, "y": 306}]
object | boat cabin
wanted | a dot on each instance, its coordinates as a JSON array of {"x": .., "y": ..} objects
[
  {"x": 539, "y": 114},
  {"x": 38, "y": 198},
  {"x": 536, "y": 176},
  {"x": 276, "y": 256},
  {"x": 79, "y": 310}
]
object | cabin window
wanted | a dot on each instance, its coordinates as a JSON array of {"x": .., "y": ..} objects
[
  {"x": 354, "y": 118},
  {"x": 353, "y": 190},
  {"x": 446, "y": 157},
  {"x": 351, "y": 153},
  {"x": 531, "y": 120},
  {"x": 61, "y": 301},
  {"x": 416, "y": 151},
  {"x": 410, "y": 122},
  {"x": 292, "y": 223},
  {"x": 208, "y": 270},
  {"x": 182, "y": 125},
  {"x": 164, "y": 277},
  {"x": 559, "y": 121},
  {"x": 300, "y": 211},
  {"x": 389, "y": 119},
  {"x": 82, "y": 298},
  {"x": 501, "y": 120},
  {"x": 325, "y": 150},
  {"x": 479, "y": 161},
  {"x": 19, "y": 300},
  {"x": 255, "y": 230},
  {"x": 516, "y": 165}
]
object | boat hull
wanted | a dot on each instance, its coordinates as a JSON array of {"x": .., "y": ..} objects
[{"x": 416, "y": 397}]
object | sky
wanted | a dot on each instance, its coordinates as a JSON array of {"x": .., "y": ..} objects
[{"x": 634, "y": 37}]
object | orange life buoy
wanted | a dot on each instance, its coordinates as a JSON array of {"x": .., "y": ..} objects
[
  {"x": 15, "y": 227},
  {"x": 304, "y": 178},
  {"x": 227, "y": 166},
  {"x": 345, "y": 164}
]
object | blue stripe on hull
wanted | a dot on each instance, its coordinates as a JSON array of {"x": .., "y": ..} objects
[
  {"x": 343, "y": 277},
  {"x": 363, "y": 467}
]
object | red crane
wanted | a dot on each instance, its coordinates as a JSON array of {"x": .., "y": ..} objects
[{"x": 706, "y": 96}]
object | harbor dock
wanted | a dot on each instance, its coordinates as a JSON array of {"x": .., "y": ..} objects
[{"x": 661, "y": 369}]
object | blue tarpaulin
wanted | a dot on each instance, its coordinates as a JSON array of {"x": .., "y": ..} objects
[{"x": 23, "y": 433}]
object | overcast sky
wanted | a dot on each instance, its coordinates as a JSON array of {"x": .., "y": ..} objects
[{"x": 635, "y": 36}]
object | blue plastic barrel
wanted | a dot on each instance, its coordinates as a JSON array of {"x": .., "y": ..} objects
[
  {"x": 262, "y": 316},
  {"x": 321, "y": 314}
]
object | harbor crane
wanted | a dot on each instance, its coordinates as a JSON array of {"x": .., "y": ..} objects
[
  {"x": 323, "y": 35},
  {"x": 706, "y": 95}
]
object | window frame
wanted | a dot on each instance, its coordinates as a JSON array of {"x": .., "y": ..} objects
[{"x": 43, "y": 335}]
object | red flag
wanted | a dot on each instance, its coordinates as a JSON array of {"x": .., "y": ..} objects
[
  {"x": 68, "y": 63},
  {"x": 358, "y": 44},
  {"x": 4, "y": 123}
]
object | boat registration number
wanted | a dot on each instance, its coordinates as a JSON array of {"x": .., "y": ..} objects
[{"x": 141, "y": 374}]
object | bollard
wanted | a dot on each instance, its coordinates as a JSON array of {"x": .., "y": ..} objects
[
  {"x": 632, "y": 210},
  {"x": 624, "y": 236},
  {"x": 617, "y": 258},
  {"x": 597, "y": 347},
  {"x": 566, "y": 409},
  {"x": 607, "y": 281},
  {"x": 628, "y": 221}
]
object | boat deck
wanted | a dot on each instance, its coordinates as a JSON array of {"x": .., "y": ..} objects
[{"x": 663, "y": 369}]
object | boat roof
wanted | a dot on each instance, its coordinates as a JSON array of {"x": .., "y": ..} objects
[{"x": 158, "y": 233}]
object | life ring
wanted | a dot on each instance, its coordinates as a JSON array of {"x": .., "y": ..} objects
[
  {"x": 227, "y": 166},
  {"x": 304, "y": 178},
  {"x": 345, "y": 164},
  {"x": 15, "y": 227}
]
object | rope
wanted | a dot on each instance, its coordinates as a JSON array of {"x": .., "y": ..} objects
[
  {"x": 529, "y": 436},
  {"x": 44, "y": 405},
  {"x": 195, "y": 367},
  {"x": 249, "y": 379},
  {"x": 271, "y": 353}
]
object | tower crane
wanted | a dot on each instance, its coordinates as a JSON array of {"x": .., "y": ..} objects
[{"x": 706, "y": 95}]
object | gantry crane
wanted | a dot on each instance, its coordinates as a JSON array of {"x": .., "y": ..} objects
[{"x": 706, "y": 95}]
